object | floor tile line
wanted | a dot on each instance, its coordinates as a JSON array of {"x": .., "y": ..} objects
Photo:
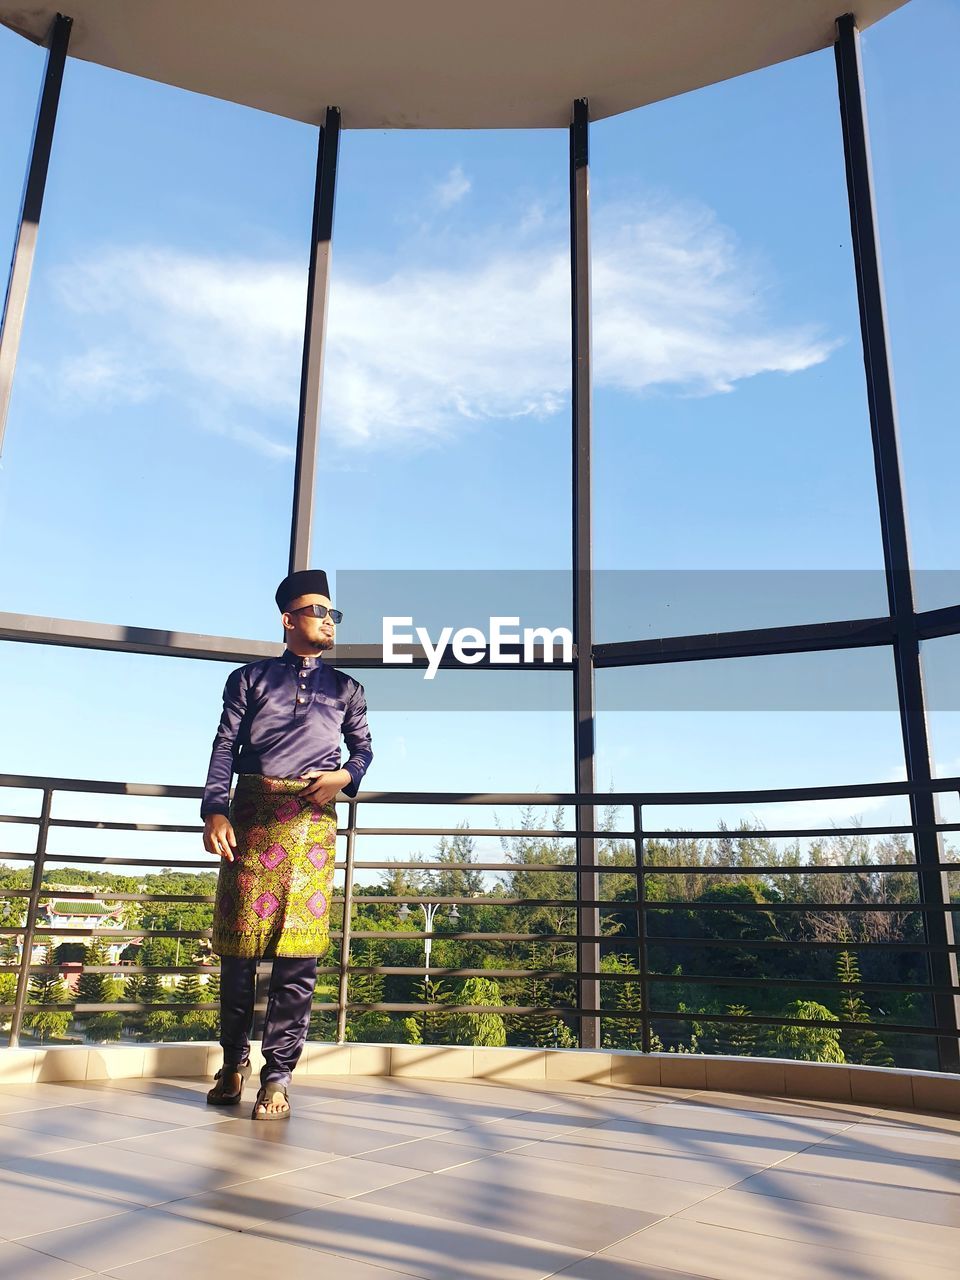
[{"x": 819, "y": 1244}]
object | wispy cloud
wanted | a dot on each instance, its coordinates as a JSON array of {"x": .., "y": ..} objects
[
  {"x": 453, "y": 188},
  {"x": 426, "y": 351}
]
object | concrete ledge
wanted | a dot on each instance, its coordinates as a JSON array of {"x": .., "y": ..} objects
[{"x": 769, "y": 1077}]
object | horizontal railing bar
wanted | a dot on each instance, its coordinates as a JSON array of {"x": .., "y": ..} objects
[
  {"x": 813, "y": 944},
  {"x": 743, "y": 943},
  {"x": 511, "y": 868},
  {"x": 121, "y": 970},
  {"x": 841, "y": 1024},
  {"x": 693, "y": 904},
  {"x": 560, "y": 975},
  {"x": 82, "y": 1007},
  {"x": 417, "y": 935},
  {"x": 812, "y": 907},
  {"x": 82, "y": 824},
  {"x": 540, "y": 799},
  {"x": 831, "y": 868},
  {"x": 118, "y": 935},
  {"x": 480, "y": 900},
  {"x": 832, "y": 984},
  {"x": 669, "y": 833},
  {"x": 571, "y": 1011},
  {"x": 105, "y": 895},
  {"x": 555, "y": 975},
  {"x": 177, "y": 864},
  {"x": 39, "y": 782}
]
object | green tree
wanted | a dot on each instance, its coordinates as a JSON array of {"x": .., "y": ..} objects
[
  {"x": 811, "y": 1044},
  {"x": 862, "y": 1046},
  {"x": 742, "y": 1037},
  {"x": 133, "y": 989},
  {"x": 622, "y": 996},
  {"x": 478, "y": 1028},
  {"x": 91, "y": 988},
  {"x": 193, "y": 1024},
  {"x": 95, "y": 988},
  {"x": 49, "y": 990}
]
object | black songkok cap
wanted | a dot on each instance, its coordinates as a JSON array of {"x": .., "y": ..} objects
[{"x": 305, "y": 582}]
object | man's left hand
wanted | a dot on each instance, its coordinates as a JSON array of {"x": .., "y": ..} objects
[{"x": 329, "y": 782}]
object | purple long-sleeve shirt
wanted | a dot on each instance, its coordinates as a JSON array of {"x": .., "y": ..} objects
[{"x": 282, "y": 716}]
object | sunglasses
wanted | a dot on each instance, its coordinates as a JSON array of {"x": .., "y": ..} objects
[{"x": 319, "y": 611}]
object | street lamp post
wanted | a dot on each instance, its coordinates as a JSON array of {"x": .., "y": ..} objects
[{"x": 429, "y": 910}]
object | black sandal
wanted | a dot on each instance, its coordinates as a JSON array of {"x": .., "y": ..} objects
[
  {"x": 270, "y": 1087},
  {"x": 218, "y": 1096}
]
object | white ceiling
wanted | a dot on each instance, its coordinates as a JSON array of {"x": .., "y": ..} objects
[{"x": 441, "y": 64}]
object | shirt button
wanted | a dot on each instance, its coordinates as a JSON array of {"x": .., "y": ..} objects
[{"x": 301, "y": 699}]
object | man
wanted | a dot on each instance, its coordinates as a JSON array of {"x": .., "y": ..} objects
[{"x": 280, "y": 731}]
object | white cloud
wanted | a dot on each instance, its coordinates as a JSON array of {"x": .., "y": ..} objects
[
  {"x": 427, "y": 350},
  {"x": 453, "y": 188},
  {"x": 841, "y": 811}
]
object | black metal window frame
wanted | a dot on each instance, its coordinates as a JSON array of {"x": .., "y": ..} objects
[{"x": 902, "y": 629}]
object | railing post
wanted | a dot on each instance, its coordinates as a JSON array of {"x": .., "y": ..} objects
[
  {"x": 924, "y": 809},
  {"x": 343, "y": 994},
  {"x": 24, "y": 249},
  {"x": 642, "y": 959},
  {"x": 33, "y": 906},
  {"x": 314, "y": 340},
  {"x": 584, "y": 710}
]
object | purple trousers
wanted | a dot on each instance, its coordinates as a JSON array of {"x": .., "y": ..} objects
[{"x": 287, "y": 1020}]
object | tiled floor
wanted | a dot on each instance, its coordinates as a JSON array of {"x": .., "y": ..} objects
[{"x": 382, "y": 1178}]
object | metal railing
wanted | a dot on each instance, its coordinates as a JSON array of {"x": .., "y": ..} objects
[{"x": 646, "y": 940}]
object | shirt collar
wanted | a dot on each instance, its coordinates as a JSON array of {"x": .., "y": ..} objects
[{"x": 295, "y": 660}]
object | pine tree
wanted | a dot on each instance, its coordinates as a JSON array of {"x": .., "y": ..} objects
[
  {"x": 436, "y": 1022},
  {"x": 187, "y": 990},
  {"x": 50, "y": 990},
  {"x": 91, "y": 989},
  {"x": 861, "y": 1046},
  {"x": 370, "y": 1026},
  {"x": 96, "y": 988},
  {"x": 157, "y": 1023},
  {"x": 133, "y": 989},
  {"x": 478, "y": 1028},
  {"x": 193, "y": 1024},
  {"x": 810, "y": 1044},
  {"x": 742, "y": 1037}
]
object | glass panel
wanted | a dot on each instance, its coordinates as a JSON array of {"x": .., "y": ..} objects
[
  {"x": 23, "y": 65},
  {"x": 149, "y": 454},
  {"x": 940, "y": 660},
  {"x": 731, "y": 425},
  {"x": 913, "y": 98},
  {"x": 445, "y": 429},
  {"x": 781, "y": 720}
]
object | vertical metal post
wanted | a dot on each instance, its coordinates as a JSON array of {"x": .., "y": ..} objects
[
  {"x": 588, "y": 952},
  {"x": 261, "y": 1000},
  {"x": 934, "y": 890},
  {"x": 36, "y": 884},
  {"x": 642, "y": 960},
  {"x": 314, "y": 340},
  {"x": 344, "y": 989},
  {"x": 24, "y": 247}
]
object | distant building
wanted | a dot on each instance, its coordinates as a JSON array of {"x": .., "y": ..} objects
[{"x": 77, "y": 913}]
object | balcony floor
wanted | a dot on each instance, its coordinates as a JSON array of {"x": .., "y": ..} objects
[{"x": 381, "y": 1178}]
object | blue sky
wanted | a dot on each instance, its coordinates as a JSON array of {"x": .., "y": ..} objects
[{"x": 147, "y": 468}]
